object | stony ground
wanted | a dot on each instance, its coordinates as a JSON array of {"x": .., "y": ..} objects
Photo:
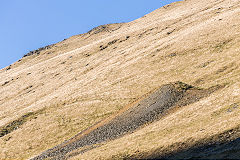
[{"x": 151, "y": 108}]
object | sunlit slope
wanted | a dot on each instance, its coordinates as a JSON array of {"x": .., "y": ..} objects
[{"x": 75, "y": 83}]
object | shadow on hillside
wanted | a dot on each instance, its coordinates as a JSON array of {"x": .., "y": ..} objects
[
  {"x": 227, "y": 150},
  {"x": 225, "y": 145}
]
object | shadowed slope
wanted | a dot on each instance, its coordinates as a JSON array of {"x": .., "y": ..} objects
[
  {"x": 149, "y": 109},
  {"x": 220, "y": 146},
  {"x": 225, "y": 150},
  {"x": 90, "y": 77}
]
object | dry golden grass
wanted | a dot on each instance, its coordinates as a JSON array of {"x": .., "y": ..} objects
[
  {"x": 197, "y": 121},
  {"x": 78, "y": 84}
]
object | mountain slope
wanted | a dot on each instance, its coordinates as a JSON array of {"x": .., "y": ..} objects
[
  {"x": 148, "y": 109},
  {"x": 67, "y": 87}
]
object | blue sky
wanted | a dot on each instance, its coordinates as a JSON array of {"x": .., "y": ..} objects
[{"x": 26, "y": 25}]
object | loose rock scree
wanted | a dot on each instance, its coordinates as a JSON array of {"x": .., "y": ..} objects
[{"x": 149, "y": 109}]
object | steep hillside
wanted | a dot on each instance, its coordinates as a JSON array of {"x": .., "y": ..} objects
[{"x": 53, "y": 93}]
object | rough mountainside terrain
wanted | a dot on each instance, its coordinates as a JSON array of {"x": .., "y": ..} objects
[
  {"x": 53, "y": 93},
  {"x": 148, "y": 109}
]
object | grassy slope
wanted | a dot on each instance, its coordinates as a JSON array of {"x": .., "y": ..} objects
[{"x": 190, "y": 41}]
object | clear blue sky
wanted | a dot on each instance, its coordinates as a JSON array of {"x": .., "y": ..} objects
[{"x": 26, "y": 25}]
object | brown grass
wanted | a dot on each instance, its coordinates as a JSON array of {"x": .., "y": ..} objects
[{"x": 79, "y": 85}]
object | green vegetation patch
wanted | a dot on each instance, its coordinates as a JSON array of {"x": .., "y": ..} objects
[
  {"x": 226, "y": 109},
  {"x": 14, "y": 125},
  {"x": 222, "y": 45},
  {"x": 182, "y": 86}
]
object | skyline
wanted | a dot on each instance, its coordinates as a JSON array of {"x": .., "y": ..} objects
[{"x": 29, "y": 25}]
